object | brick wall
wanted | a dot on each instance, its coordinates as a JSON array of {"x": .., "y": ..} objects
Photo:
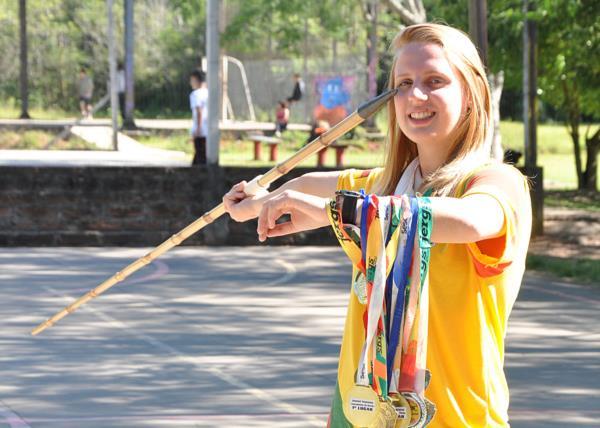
[{"x": 97, "y": 206}]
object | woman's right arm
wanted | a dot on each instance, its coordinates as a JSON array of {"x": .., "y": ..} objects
[{"x": 242, "y": 207}]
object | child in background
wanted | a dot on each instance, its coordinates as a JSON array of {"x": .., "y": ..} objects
[{"x": 282, "y": 116}]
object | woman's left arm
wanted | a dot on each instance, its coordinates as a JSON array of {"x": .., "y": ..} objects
[{"x": 477, "y": 216}]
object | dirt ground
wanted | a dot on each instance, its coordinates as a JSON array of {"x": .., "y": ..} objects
[{"x": 569, "y": 233}]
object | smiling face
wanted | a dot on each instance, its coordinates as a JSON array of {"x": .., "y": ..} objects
[{"x": 430, "y": 101}]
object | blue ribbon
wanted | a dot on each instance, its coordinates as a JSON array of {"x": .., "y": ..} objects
[
  {"x": 400, "y": 276},
  {"x": 363, "y": 227}
]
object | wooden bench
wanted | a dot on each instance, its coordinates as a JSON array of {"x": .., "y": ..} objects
[
  {"x": 340, "y": 149},
  {"x": 272, "y": 142}
]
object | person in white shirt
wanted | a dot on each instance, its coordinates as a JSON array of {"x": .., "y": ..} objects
[{"x": 199, "y": 106}]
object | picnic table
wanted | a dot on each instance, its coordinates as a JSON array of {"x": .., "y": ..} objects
[
  {"x": 272, "y": 142},
  {"x": 340, "y": 149}
]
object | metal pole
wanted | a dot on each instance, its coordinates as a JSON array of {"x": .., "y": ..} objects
[
  {"x": 112, "y": 64},
  {"x": 129, "y": 81},
  {"x": 23, "y": 74},
  {"x": 213, "y": 80}
]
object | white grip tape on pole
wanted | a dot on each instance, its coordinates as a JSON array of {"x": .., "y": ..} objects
[{"x": 253, "y": 188}]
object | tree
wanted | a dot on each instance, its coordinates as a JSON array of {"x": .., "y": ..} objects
[{"x": 569, "y": 64}]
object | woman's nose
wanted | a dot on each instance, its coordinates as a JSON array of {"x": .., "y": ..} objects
[{"x": 418, "y": 93}]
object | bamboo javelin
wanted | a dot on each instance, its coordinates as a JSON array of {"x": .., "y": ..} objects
[{"x": 363, "y": 112}]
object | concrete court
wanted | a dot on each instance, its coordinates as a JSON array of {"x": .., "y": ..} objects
[{"x": 240, "y": 337}]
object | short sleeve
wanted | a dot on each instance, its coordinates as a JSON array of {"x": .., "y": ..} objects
[
  {"x": 509, "y": 188},
  {"x": 353, "y": 179}
]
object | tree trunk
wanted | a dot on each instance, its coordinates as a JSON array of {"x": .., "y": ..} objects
[
  {"x": 573, "y": 126},
  {"x": 372, "y": 57},
  {"x": 497, "y": 83},
  {"x": 24, "y": 87},
  {"x": 590, "y": 175},
  {"x": 573, "y": 118}
]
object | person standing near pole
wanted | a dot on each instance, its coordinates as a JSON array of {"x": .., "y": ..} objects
[
  {"x": 121, "y": 88},
  {"x": 85, "y": 90},
  {"x": 199, "y": 106}
]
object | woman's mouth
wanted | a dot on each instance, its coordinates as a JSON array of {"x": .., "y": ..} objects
[{"x": 421, "y": 117}]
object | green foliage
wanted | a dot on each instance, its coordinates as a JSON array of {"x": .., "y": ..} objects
[
  {"x": 37, "y": 140},
  {"x": 581, "y": 270},
  {"x": 569, "y": 55},
  {"x": 65, "y": 35},
  {"x": 279, "y": 25}
]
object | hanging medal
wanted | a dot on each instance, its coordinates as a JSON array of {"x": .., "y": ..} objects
[
  {"x": 399, "y": 287},
  {"x": 392, "y": 256},
  {"x": 362, "y": 404},
  {"x": 414, "y": 340}
]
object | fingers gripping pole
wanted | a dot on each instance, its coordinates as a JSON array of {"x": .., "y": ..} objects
[{"x": 256, "y": 185}]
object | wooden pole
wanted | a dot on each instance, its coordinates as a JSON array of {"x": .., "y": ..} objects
[
  {"x": 532, "y": 170},
  {"x": 363, "y": 112}
]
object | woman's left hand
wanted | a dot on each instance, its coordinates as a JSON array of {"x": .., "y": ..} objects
[{"x": 306, "y": 212}]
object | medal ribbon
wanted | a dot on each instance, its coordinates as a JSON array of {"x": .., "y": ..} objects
[
  {"x": 412, "y": 371},
  {"x": 373, "y": 355},
  {"x": 400, "y": 281},
  {"x": 394, "y": 221}
]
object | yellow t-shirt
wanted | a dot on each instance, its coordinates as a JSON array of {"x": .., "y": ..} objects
[{"x": 472, "y": 288}]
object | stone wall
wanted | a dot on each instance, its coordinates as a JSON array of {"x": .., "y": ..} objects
[
  {"x": 103, "y": 206},
  {"x": 98, "y": 206}
]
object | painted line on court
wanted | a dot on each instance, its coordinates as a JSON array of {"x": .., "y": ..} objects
[
  {"x": 288, "y": 276},
  {"x": 220, "y": 374},
  {"x": 9, "y": 416}
]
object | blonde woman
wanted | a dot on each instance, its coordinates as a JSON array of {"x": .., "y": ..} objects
[{"x": 438, "y": 126}]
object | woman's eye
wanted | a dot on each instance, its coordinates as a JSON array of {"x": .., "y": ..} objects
[
  {"x": 404, "y": 83},
  {"x": 436, "y": 81}
]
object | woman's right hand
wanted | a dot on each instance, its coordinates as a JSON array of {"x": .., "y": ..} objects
[{"x": 240, "y": 206}]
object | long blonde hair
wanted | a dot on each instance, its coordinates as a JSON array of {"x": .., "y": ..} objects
[{"x": 467, "y": 147}]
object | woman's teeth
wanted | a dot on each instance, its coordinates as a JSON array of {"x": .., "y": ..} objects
[{"x": 422, "y": 115}]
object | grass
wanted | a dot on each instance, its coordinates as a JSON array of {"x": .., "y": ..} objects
[
  {"x": 38, "y": 140},
  {"x": 555, "y": 153},
  {"x": 241, "y": 152},
  {"x": 578, "y": 199},
  {"x": 580, "y": 270},
  {"x": 555, "y": 148}
]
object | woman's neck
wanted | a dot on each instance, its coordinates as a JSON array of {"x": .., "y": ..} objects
[{"x": 430, "y": 159}]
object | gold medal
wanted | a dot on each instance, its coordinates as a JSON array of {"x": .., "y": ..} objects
[
  {"x": 402, "y": 409},
  {"x": 361, "y": 406},
  {"x": 389, "y": 413},
  {"x": 418, "y": 410}
]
